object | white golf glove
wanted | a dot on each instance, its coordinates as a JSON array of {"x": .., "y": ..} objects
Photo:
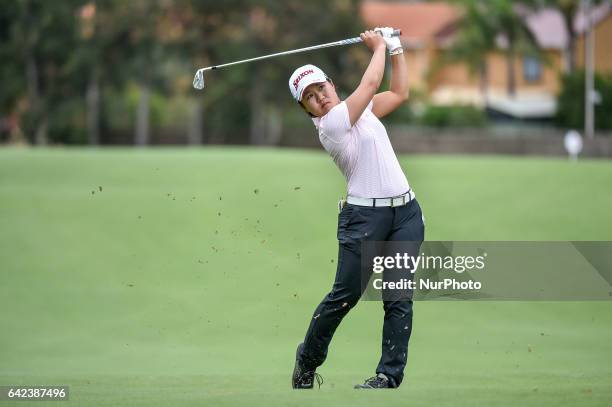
[{"x": 394, "y": 45}]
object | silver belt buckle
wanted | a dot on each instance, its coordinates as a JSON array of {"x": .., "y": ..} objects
[
  {"x": 341, "y": 204},
  {"x": 403, "y": 199}
]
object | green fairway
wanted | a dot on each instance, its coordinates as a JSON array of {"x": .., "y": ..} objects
[{"x": 162, "y": 277}]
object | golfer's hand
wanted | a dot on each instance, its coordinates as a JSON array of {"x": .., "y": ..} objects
[
  {"x": 372, "y": 40},
  {"x": 393, "y": 43}
]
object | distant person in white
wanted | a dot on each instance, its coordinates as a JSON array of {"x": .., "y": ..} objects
[{"x": 380, "y": 204}]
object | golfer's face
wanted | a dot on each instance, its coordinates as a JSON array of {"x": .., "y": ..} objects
[{"x": 319, "y": 98}]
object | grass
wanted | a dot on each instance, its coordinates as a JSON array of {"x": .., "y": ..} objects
[{"x": 187, "y": 276}]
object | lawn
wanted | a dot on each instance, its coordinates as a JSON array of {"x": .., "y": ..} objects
[{"x": 157, "y": 277}]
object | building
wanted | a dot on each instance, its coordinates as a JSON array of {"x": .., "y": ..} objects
[
  {"x": 602, "y": 29},
  {"x": 428, "y": 32}
]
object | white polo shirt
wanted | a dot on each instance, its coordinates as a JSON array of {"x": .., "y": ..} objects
[{"x": 363, "y": 153}]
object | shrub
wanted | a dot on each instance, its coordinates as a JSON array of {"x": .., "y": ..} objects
[
  {"x": 401, "y": 115},
  {"x": 570, "y": 102},
  {"x": 453, "y": 116}
]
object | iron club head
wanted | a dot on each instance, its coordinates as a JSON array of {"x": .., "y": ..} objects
[{"x": 198, "y": 80}]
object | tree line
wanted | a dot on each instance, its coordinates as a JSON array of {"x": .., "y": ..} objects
[
  {"x": 109, "y": 71},
  {"x": 99, "y": 71}
]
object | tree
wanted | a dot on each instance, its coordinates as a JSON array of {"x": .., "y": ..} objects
[
  {"x": 501, "y": 20},
  {"x": 276, "y": 26},
  {"x": 474, "y": 42},
  {"x": 73, "y": 69},
  {"x": 12, "y": 80},
  {"x": 568, "y": 9},
  {"x": 147, "y": 53},
  {"x": 214, "y": 32},
  {"x": 38, "y": 40},
  {"x": 247, "y": 97},
  {"x": 570, "y": 102},
  {"x": 101, "y": 57}
]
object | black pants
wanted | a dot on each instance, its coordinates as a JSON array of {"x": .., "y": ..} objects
[{"x": 357, "y": 224}]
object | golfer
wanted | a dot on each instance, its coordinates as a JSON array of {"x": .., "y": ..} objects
[{"x": 380, "y": 204}]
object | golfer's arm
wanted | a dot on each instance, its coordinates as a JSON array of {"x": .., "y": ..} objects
[
  {"x": 386, "y": 102},
  {"x": 370, "y": 82}
]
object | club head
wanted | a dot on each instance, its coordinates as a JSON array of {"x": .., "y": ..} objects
[{"x": 198, "y": 80}]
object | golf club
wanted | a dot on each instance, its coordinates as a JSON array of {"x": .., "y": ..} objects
[{"x": 198, "y": 80}]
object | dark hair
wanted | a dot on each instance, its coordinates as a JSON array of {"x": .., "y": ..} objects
[{"x": 304, "y": 107}]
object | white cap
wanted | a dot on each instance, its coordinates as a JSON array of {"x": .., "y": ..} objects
[{"x": 304, "y": 76}]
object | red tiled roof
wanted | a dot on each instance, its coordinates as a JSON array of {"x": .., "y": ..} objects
[{"x": 419, "y": 22}]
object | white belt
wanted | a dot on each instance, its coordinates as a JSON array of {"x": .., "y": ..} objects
[{"x": 379, "y": 202}]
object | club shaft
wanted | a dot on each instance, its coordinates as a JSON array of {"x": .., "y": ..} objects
[
  {"x": 294, "y": 51},
  {"x": 348, "y": 41},
  {"x": 199, "y": 74}
]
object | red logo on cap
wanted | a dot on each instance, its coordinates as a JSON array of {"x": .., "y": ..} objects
[{"x": 300, "y": 76}]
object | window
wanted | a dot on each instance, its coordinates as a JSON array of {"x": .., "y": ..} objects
[{"x": 532, "y": 69}]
